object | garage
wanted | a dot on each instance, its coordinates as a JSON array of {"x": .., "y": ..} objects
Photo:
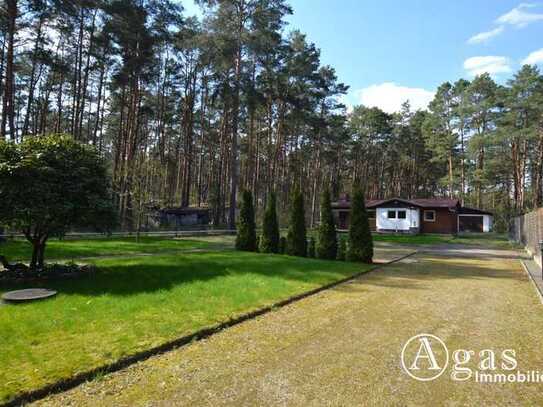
[
  {"x": 471, "y": 220},
  {"x": 470, "y": 223}
]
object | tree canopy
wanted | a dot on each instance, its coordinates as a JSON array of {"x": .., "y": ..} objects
[
  {"x": 49, "y": 185},
  {"x": 188, "y": 111}
]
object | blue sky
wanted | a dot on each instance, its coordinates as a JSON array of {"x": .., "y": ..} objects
[{"x": 388, "y": 51}]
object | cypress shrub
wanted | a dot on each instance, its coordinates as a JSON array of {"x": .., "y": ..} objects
[
  {"x": 246, "y": 233},
  {"x": 269, "y": 243},
  {"x": 296, "y": 236},
  {"x": 282, "y": 245},
  {"x": 311, "y": 247},
  {"x": 342, "y": 248},
  {"x": 327, "y": 238},
  {"x": 360, "y": 239}
]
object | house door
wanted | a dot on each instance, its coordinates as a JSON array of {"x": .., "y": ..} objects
[{"x": 470, "y": 223}]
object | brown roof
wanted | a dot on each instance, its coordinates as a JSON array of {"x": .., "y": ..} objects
[
  {"x": 436, "y": 202},
  {"x": 185, "y": 210},
  {"x": 423, "y": 203}
]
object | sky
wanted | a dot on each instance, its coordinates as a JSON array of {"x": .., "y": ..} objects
[{"x": 389, "y": 51}]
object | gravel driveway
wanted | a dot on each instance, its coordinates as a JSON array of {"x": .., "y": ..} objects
[{"x": 342, "y": 346}]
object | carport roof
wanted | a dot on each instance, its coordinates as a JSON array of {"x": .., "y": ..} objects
[{"x": 472, "y": 211}]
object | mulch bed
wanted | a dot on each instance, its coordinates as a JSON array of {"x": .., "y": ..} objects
[{"x": 21, "y": 273}]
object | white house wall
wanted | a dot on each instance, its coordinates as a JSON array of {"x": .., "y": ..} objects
[
  {"x": 411, "y": 219},
  {"x": 487, "y": 223}
]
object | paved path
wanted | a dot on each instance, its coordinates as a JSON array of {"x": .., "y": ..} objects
[{"x": 342, "y": 346}]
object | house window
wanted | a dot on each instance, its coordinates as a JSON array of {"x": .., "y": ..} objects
[
  {"x": 371, "y": 213},
  {"x": 402, "y": 215},
  {"x": 391, "y": 214},
  {"x": 429, "y": 216}
]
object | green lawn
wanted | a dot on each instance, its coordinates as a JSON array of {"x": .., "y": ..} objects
[
  {"x": 135, "y": 303},
  {"x": 494, "y": 240},
  {"x": 399, "y": 238},
  {"x": 19, "y": 249},
  {"x": 412, "y": 239}
]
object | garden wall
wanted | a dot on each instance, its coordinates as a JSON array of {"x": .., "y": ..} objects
[{"x": 527, "y": 230}]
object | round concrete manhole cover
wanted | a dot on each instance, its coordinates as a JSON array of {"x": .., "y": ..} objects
[{"x": 28, "y": 294}]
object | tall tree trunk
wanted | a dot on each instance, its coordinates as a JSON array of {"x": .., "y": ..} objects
[
  {"x": 234, "y": 165},
  {"x": 86, "y": 76},
  {"x": 32, "y": 84},
  {"x": 8, "y": 108}
]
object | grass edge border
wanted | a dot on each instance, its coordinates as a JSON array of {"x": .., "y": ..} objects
[
  {"x": 80, "y": 378},
  {"x": 536, "y": 287}
]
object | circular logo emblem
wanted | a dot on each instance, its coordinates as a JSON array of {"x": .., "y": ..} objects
[{"x": 425, "y": 357}]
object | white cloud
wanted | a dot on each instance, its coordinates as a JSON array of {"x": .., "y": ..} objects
[
  {"x": 389, "y": 97},
  {"x": 485, "y": 36},
  {"x": 534, "y": 58},
  {"x": 492, "y": 65},
  {"x": 519, "y": 17}
]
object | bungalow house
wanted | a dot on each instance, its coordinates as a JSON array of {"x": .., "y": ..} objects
[
  {"x": 179, "y": 217},
  {"x": 434, "y": 215}
]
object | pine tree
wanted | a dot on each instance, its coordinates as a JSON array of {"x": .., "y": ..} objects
[
  {"x": 269, "y": 243},
  {"x": 360, "y": 239},
  {"x": 327, "y": 239},
  {"x": 246, "y": 235},
  {"x": 311, "y": 248},
  {"x": 296, "y": 236},
  {"x": 342, "y": 249}
]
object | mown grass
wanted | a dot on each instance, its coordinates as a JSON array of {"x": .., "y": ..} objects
[
  {"x": 412, "y": 239},
  {"x": 493, "y": 240},
  {"x": 135, "y": 303},
  {"x": 19, "y": 249},
  {"x": 343, "y": 346},
  {"x": 399, "y": 238}
]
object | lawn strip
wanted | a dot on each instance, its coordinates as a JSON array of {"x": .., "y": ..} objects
[{"x": 69, "y": 383}]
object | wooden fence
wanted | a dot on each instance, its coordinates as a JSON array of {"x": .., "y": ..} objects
[{"x": 527, "y": 230}]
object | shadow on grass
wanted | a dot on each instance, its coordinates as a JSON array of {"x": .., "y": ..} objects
[
  {"x": 20, "y": 250},
  {"x": 126, "y": 276}
]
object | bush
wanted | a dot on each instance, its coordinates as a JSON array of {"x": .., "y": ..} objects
[
  {"x": 342, "y": 248},
  {"x": 296, "y": 236},
  {"x": 282, "y": 245},
  {"x": 246, "y": 233},
  {"x": 270, "y": 228},
  {"x": 311, "y": 247},
  {"x": 327, "y": 238},
  {"x": 50, "y": 185},
  {"x": 360, "y": 239}
]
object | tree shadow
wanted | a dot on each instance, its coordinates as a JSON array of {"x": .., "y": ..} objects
[{"x": 125, "y": 276}]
